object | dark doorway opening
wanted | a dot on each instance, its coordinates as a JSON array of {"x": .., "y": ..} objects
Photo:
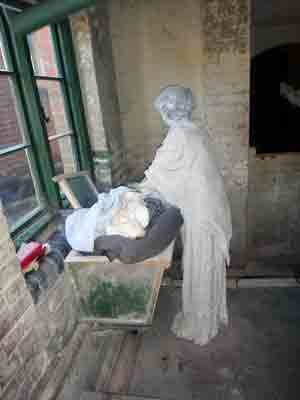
[{"x": 275, "y": 115}]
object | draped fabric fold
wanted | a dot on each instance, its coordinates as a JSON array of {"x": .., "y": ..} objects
[{"x": 185, "y": 174}]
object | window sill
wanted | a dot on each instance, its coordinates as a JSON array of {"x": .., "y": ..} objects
[{"x": 32, "y": 227}]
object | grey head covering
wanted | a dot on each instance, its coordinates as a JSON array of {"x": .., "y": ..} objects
[{"x": 175, "y": 104}]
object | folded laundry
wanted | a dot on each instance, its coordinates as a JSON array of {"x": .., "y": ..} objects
[
  {"x": 130, "y": 217},
  {"x": 124, "y": 224}
]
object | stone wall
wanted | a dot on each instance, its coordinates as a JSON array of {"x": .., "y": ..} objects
[
  {"x": 106, "y": 84},
  {"x": 82, "y": 39},
  {"x": 31, "y": 336},
  {"x": 203, "y": 45},
  {"x": 145, "y": 48},
  {"x": 274, "y": 184},
  {"x": 92, "y": 42}
]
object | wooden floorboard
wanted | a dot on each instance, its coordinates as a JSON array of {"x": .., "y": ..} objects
[
  {"x": 111, "y": 353},
  {"x": 112, "y": 396},
  {"x": 124, "y": 367},
  {"x": 241, "y": 362}
]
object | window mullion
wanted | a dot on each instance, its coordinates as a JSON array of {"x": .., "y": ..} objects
[
  {"x": 4, "y": 72},
  {"x": 61, "y": 71},
  {"x": 48, "y": 78},
  {"x": 60, "y": 136},
  {"x": 65, "y": 44},
  {"x": 13, "y": 149}
]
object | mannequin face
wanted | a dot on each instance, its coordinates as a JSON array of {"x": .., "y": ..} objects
[
  {"x": 172, "y": 122},
  {"x": 175, "y": 105},
  {"x": 166, "y": 121}
]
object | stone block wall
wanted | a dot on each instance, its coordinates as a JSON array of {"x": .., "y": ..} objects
[{"x": 31, "y": 336}]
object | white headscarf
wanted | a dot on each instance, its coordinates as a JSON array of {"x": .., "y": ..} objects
[{"x": 175, "y": 103}]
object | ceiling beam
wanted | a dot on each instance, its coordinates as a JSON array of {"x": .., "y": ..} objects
[{"x": 45, "y": 13}]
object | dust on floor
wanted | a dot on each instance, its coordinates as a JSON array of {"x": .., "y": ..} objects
[{"x": 256, "y": 357}]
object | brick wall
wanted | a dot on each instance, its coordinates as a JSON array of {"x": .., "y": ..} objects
[
  {"x": 10, "y": 127},
  {"x": 31, "y": 336},
  {"x": 226, "y": 81}
]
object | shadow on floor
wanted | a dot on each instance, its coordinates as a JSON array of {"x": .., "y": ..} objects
[{"x": 257, "y": 357}]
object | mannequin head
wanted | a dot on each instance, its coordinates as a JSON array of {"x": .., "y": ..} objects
[{"x": 175, "y": 104}]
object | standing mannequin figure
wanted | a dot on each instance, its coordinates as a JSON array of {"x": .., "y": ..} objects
[{"x": 186, "y": 176}]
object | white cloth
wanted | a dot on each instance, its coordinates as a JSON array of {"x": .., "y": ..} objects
[
  {"x": 187, "y": 177},
  {"x": 131, "y": 217},
  {"x": 84, "y": 224},
  {"x": 119, "y": 212}
]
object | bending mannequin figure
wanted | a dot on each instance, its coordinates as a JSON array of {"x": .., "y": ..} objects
[{"x": 185, "y": 175}]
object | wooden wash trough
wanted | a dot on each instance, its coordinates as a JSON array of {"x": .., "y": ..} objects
[
  {"x": 139, "y": 284},
  {"x": 111, "y": 293}
]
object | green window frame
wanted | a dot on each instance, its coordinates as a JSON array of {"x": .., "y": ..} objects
[
  {"x": 24, "y": 144},
  {"x": 36, "y": 143},
  {"x": 57, "y": 85}
]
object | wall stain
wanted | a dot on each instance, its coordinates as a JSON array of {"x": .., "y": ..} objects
[{"x": 225, "y": 24}]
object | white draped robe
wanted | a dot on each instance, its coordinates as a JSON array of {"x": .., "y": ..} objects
[{"x": 185, "y": 174}]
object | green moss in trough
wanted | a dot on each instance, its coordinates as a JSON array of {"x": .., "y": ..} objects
[{"x": 111, "y": 300}]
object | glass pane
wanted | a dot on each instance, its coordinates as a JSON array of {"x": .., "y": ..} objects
[
  {"x": 63, "y": 155},
  {"x": 42, "y": 52},
  {"x": 3, "y": 62},
  {"x": 10, "y": 120},
  {"x": 53, "y": 107},
  {"x": 17, "y": 189}
]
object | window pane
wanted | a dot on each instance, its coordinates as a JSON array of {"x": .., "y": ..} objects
[
  {"x": 42, "y": 52},
  {"x": 17, "y": 188},
  {"x": 63, "y": 155},
  {"x": 53, "y": 106},
  {"x": 3, "y": 62},
  {"x": 10, "y": 120}
]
